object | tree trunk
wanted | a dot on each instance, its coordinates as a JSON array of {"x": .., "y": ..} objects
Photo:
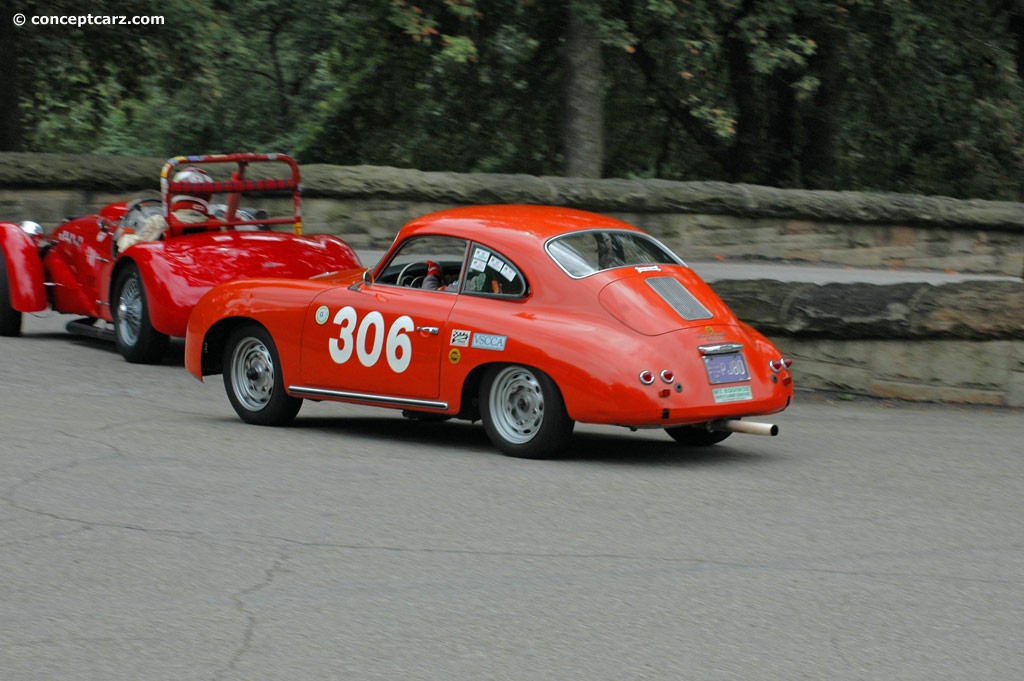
[
  {"x": 10, "y": 104},
  {"x": 583, "y": 100}
]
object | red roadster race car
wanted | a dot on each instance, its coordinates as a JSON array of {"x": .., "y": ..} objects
[
  {"x": 135, "y": 269},
  {"x": 529, "y": 318}
]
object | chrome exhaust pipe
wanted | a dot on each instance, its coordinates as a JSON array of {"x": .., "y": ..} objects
[{"x": 748, "y": 427}]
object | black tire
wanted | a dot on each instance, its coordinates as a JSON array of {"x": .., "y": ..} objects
[
  {"x": 134, "y": 335},
  {"x": 696, "y": 435},
  {"x": 253, "y": 380},
  {"x": 10, "y": 319},
  {"x": 523, "y": 412}
]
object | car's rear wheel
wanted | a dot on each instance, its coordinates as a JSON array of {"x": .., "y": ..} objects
[
  {"x": 696, "y": 435},
  {"x": 134, "y": 335},
  {"x": 10, "y": 319},
  {"x": 253, "y": 380},
  {"x": 523, "y": 412}
]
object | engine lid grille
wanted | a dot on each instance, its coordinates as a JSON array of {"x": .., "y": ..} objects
[{"x": 679, "y": 298}]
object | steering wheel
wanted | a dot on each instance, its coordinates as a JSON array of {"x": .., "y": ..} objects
[
  {"x": 411, "y": 281},
  {"x": 128, "y": 220}
]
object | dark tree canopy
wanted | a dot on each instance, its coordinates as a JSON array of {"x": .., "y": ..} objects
[{"x": 887, "y": 95}]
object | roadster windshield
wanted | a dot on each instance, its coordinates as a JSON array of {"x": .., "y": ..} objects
[{"x": 581, "y": 254}]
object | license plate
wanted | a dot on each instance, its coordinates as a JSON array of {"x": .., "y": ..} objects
[{"x": 726, "y": 368}]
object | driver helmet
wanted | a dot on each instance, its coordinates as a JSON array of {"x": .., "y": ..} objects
[{"x": 195, "y": 203}]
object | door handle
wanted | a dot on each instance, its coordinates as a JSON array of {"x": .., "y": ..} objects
[{"x": 432, "y": 330}]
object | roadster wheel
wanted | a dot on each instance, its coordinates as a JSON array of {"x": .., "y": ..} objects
[
  {"x": 253, "y": 381},
  {"x": 10, "y": 319},
  {"x": 523, "y": 412},
  {"x": 696, "y": 435},
  {"x": 136, "y": 339}
]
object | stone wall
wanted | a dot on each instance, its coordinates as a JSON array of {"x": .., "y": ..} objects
[
  {"x": 957, "y": 343},
  {"x": 366, "y": 206}
]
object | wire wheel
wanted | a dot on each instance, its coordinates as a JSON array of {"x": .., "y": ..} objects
[
  {"x": 134, "y": 335},
  {"x": 130, "y": 304}
]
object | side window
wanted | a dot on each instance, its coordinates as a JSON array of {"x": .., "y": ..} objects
[
  {"x": 428, "y": 262},
  {"x": 489, "y": 273}
]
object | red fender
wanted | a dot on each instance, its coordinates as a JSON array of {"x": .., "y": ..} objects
[{"x": 25, "y": 273}]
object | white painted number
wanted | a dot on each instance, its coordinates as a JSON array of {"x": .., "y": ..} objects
[
  {"x": 369, "y": 356},
  {"x": 369, "y": 339},
  {"x": 399, "y": 345},
  {"x": 346, "y": 319}
]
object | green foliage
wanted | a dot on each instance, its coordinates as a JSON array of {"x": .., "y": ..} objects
[{"x": 842, "y": 94}]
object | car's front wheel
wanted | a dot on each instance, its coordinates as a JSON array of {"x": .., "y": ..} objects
[
  {"x": 253, "y": 380},
  {"x": 136, "y": 339},
  {"x": 10, "y": 319},
  {"x": 523, "y": 412}
]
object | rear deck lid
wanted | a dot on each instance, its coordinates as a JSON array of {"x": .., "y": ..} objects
[{"x": 657, "y": 302}]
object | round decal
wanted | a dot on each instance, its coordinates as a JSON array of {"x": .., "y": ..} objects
[
  {"x": 322, "y": 313},
  {"x": 454, "y": 355}
]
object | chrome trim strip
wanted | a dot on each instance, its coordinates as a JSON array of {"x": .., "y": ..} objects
[
  {"x": 720, "y": 348},
  {"x": 305, "y": 391}
]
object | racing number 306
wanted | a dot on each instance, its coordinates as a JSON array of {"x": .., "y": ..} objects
[{"x": 367, "y": 339}]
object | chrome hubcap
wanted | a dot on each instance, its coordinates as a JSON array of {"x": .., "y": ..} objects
[
  {"x": 252, "y": 374},
  {"x": 517, "y": 405}
]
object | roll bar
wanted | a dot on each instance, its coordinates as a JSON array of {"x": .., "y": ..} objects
[{"x": 234, "y": 188}]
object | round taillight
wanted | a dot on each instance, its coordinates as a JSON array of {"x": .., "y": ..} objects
[
  {"x": 775, "y": 365},
  {"x": 667, "y": 375},
  {"x": 646, "y": 377}
]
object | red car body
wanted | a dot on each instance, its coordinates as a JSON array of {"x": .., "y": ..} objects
[
  {"x": 527, "y": 335},
  {"x": 77, "y": 268}
]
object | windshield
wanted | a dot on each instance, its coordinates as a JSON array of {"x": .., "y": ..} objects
[{"x": 583, "y": 253}]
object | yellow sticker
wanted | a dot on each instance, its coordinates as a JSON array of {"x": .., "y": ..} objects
[{"x": 454, "y": 355}]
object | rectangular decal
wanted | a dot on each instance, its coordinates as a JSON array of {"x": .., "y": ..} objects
[
  {"x": 489, "y": 341},
  {"x": 479, "y": 261},
  {"x": 460, "y": 338},
  {"x": 732, "y": 394}
]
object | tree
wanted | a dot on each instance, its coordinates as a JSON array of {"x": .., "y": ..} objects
[
  {"x": 67, "y": 78},
  {"x": 837, "y": 94},
  {"x": 583, "y": 97}
]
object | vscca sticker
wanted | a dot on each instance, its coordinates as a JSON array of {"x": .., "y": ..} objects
[{"x": 489, "y": 341}]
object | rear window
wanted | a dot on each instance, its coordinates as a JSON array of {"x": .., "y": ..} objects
[{"x": 581, "y": 254}]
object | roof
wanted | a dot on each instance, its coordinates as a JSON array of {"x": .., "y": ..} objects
[{"x": 511, "y": 222}]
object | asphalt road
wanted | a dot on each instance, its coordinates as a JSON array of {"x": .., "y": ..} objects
[{"x": 148, "y": 534}]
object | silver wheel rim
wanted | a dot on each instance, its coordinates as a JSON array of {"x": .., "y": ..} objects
[
  {"x": 517, "y": 405},
  {"x": 129, "y": 312},
  {"x": 252, "y": 374}
]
